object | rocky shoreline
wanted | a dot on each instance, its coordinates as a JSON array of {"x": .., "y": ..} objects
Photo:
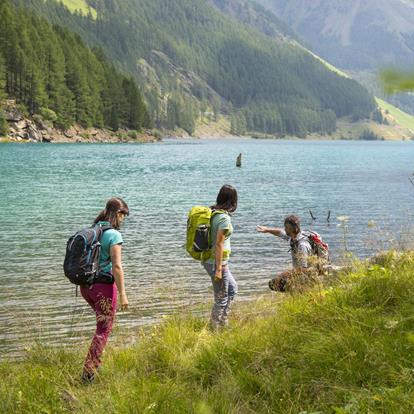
[{"x": 26, "y": 129}]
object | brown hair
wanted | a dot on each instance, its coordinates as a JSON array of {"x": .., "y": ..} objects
[
  {"x": 293, "y": 221},
  {"x": 226, "y": 199},
  {"x": 110, "y": 213}
]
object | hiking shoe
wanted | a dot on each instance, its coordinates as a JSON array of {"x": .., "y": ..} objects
[
  {"x": 278, "y": 284},
  {"x": 87, "y": 378}
]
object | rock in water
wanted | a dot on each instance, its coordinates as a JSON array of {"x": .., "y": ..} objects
[{"x": 239, "y": 161}]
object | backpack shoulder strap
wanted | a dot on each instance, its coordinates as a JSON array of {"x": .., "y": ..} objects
[
  {"x": 215, "y": 212},
  {"x": 306, "y": 236},
  {"x": 102, "y": 229}
]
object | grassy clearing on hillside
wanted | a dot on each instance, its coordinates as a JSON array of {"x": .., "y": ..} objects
[
  {"x": 330, "y": 66},
  {"x": 210, "y": 129},
  {"x": 343, "y": 349},
  {"x": 82, "y": 5},
  {"x": 402, "y": 118},
  {"x": 352, "y": 130}
]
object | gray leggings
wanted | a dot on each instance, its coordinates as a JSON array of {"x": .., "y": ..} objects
[{"x": 224, "y": 292}]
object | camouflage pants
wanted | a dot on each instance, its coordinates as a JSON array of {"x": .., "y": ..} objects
[
  {"x": 295, "y": 280},
  {"x": 224, "y": 292}
]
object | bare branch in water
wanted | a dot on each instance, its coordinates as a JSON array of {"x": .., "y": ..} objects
[{"x": 313, "y": 217}]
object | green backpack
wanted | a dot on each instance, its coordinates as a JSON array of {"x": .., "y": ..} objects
[{"x": 199, "y": 243}]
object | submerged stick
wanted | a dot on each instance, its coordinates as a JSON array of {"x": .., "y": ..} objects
[
  {"x": 328, "y": 219},
  {"x": 313, "y": 217},
  {"x": 239, "y": 161},
  {"x": 411, "y": 181}
]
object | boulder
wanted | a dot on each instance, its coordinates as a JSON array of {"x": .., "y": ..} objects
[
  {"x": 13, "y": 115},
  {"x": 22, "y": 124},
  {"x": 71, "y": 132},
  {"x": 34, "y": 134},
  {"x": 20, "y": 134},
  {"x": 41, "y": 124}
]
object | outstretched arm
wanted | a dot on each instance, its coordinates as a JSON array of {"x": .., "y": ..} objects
[{"x": 275, "y": 231}]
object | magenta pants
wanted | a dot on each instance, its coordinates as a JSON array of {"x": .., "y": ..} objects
[{"x": 102, "y": 298}]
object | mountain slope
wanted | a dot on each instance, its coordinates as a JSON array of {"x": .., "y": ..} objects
[
  {"x": 387, "y": 122},
  {"x": 356, "y": 34},
  {"x": 360, "y": 37},
  {"x": 394, "y": 124},
  {"x": 192, "y": 59}
]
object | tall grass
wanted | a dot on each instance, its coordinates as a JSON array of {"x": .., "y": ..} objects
[{"x": 344, "y": 349}]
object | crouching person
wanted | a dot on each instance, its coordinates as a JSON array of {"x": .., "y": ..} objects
[{"x": 309, "y": 255}]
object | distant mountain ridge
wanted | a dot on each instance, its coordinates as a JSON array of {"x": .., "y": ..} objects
[
  {"x": 359, "y": 37},
  {"x": 353, "y": 34}
]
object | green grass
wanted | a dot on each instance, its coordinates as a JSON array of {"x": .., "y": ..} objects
[
  {"x": 330, "y": 66},
  {"x": 82, "y": 5},
  {"x": 344, "y": 349},
  {"x": 402, "y": 118}
]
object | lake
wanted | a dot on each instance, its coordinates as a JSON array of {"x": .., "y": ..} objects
[{"x": 47, "y": 192}]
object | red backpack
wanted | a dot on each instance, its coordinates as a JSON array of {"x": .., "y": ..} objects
[{"x": 319, "y": 247}]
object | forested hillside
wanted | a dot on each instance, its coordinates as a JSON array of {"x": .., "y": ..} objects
[
  {"x": 194, "y": 60},
  {"x": 49, "y": 71}
]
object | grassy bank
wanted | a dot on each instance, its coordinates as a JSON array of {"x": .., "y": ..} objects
[{"x": 343, "y": 349}]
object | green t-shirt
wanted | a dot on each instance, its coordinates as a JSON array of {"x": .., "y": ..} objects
[
  {"x": 110, "y": 238},
  {"x": 220, "y": 221}
]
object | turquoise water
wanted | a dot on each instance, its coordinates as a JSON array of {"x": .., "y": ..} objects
[{"x": 47, "y": 192}]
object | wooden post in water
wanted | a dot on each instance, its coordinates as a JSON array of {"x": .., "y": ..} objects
[{"x": 239, "y": 161}]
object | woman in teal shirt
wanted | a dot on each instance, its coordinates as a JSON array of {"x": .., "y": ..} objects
[
  {"x": 224, "y": 284},
  {"x": 102, "y": 295}
]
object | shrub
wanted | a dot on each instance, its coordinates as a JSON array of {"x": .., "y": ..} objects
[
  {"x": 133, "y": 134},
  {"x": 48, "y": 115},
  {"x": 4, "y": 127}
]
